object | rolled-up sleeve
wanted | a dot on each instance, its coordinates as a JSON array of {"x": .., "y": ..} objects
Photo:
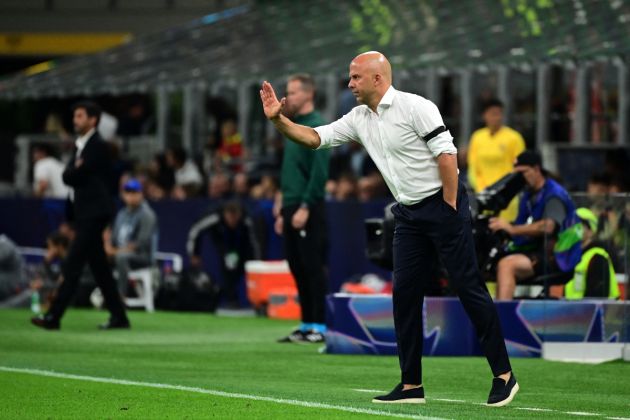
[
  {"x": 442, "y": 143},
  {"x": 430, "y": 127},
  {"x": 338, "y": 132}
]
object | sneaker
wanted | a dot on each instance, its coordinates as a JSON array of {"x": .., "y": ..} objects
[
  {"x": 502, "y": 393},
  {"x": 296, "y": 336},
  {"x": 313, "y": 337},
  {"x": 410, "y": 396}
]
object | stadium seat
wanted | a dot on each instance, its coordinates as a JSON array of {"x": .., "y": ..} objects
[{"x": 144, "y": 280}]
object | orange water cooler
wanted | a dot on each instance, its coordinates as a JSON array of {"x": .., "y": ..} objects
[{"x": 265, "y": 278}]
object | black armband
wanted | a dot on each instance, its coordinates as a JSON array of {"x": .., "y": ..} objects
[{"x": 434, "y": 133}]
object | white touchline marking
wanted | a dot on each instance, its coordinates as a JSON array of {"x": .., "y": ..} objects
[
  {"x": 534, "y": 409},
  {"x": 369, "y": 390},
  {"x": 308, "y": 404},
  {"x": 582, "y": 413},
  {"x": 618, "y": 418},
  {"x": 447, "y": 400}
]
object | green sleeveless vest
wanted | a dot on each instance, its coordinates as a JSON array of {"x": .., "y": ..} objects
[{"x": 575, "y": 288}]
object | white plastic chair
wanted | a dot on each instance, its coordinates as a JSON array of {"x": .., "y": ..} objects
[{"x": 144, "y": 280}]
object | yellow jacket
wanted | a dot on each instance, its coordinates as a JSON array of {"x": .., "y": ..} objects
[{"x": 490, "y": 157}]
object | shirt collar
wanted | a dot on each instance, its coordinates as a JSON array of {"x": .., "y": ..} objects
[
  {"x": 80, "y": 142},
  {"x": 388, "y": 98}
]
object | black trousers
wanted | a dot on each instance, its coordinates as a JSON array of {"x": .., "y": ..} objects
[
  {"x": 306, "y": 252},
  {"x": 423, "y": 232},
  {"x": 231, "y": 280},
  {"x": 87, "y": 247}
]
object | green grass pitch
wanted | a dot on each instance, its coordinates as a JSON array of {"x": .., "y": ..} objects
[{"x": 188, "y": 366}]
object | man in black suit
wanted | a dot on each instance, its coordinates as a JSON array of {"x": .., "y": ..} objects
[{"x": 87, "y": 173}]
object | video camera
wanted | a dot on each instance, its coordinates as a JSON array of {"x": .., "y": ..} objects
[
  {"x": 498, "y": 195},
  {"x": 490, "y": 202},
  {"x": 380, "y": 236}
]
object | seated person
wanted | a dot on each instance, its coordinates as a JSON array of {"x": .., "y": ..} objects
[
  {"x": 44, "y": 278},
  {"x": 232, "y": 235},
  {"x": 594, "y": 276},
  {"x": 545, "y": 211},
  {"x": 12, "y": 281},
  {"x": 132, "y": 240},
  {"x": 49, "y": 277}
]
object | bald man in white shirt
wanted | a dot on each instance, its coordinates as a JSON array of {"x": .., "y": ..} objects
[{"x": 404, "y": 134}]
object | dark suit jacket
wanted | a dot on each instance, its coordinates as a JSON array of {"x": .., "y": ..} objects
[{"x": 90, "y": 181}]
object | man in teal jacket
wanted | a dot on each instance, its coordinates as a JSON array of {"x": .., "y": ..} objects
[{"x": 302, "y": 218}]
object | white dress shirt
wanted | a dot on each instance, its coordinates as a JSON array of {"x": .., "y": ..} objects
[
  {"x": 82, "y": 140},
  {"x": 403, "y": 138}
]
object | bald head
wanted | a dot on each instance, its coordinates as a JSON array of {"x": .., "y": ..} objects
[
  {"x": 370, "y": 77},
  {"x": 376, "y": 63}
]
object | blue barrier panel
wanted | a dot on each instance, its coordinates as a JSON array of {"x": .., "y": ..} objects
[
  {"x": 27, "y": 221},
  {"x": 363, "y": 324}
]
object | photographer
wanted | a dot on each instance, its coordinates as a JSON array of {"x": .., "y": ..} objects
[
  {"x": 232, "y": 234},
  {"x": 546, "y": 214}
]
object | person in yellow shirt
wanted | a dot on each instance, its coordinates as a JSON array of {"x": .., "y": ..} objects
[{"x": 492, "y": 151}]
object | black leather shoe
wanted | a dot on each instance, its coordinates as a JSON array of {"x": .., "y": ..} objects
[
  {"x": 502, "y": 393},
  {"x": 46, "y": 322},
  {"x": 114, "y": 324},
  {"x": 397, "y": 396}
]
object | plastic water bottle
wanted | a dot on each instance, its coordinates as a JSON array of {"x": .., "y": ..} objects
[{"x": 35, "y": 306}]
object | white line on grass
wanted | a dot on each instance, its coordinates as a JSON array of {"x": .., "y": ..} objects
[
  {"x": 371, "y": 391},
  {"x": 447, "y": 400},
  {"x": 307, "y": 404},
  {"x": 534, "y": 409}
]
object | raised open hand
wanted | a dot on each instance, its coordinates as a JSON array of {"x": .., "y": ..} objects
[{"x": 271, "y": 105}]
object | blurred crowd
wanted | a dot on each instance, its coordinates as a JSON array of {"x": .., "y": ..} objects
[
  {"x": 226, "y": 171},
  {"x": 222, "y": 171},
  {"x": 225, "y": 168}
]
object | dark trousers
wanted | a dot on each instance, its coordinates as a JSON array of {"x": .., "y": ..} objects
[
  {"x": 232, "y": 278},
  {"x": 306, "y": 252},
  {"x": 87, "y": 247},
  {"x": 424, "y": 232}
]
